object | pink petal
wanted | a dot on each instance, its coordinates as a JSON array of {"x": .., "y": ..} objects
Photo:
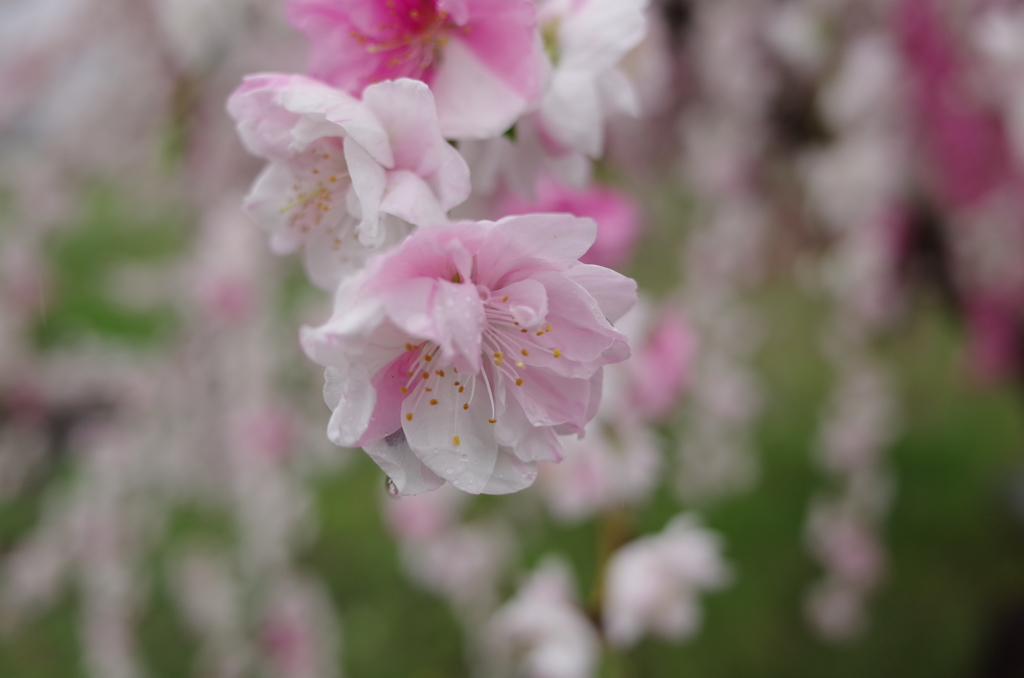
[
  {"x": 387, "y": 412},
  {"x": 614, "y": 293}
]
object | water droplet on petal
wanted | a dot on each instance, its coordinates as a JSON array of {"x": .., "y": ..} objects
[
  {"x": 449, "y": 470},
  {"x": 390, "y": 486},
  {"x": 464, "y": 458}
]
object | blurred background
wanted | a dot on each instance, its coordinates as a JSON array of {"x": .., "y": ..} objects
[{"x": 823, "y": 205}]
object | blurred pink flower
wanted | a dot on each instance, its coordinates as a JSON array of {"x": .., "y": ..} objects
[
  {"x": 423, "y": 516},
  {"x": 966, "y": 140},
  {"x": 462, "y": 563},
  {"x": 542, "y": 632},
  {"x": 481, "y": 58},
  {"x": 661, "y": 365},
  {"x": 461, "y": 354},
  {"x": 652, "y": 584},
  {"x": 338, "y": 166},
  {"x": 602, "y": 471},
  {"x": 618, "y": 217},
  {"x": 994, "y": 332}
]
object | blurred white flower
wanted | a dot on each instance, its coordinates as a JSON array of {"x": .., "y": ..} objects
[
  {"x": 653, "y": 583},
  {"x": 542, "y": 632}
]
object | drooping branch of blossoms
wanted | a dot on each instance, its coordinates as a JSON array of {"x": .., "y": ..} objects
[
  {"x": 857, "y": 184},
  {"x": 724, "y": 139}
]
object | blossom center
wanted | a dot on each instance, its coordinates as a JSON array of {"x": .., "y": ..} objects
[
  {"x": 509, "y": 349},
  {"x": 317, "y": 197},
  {"x": 414, "y": 31}
]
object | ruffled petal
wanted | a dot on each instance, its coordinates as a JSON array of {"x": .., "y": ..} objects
[
  {"x": 369, "y": 180},
  {"x": 409, "y": 197},
  {"x": 526, "y": 301},
  {"x": 614, "y": 293},
  {"x": 352, "y": 396}
]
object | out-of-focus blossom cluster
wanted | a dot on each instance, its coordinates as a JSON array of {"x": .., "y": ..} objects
[{"x": 467, "y": 186}]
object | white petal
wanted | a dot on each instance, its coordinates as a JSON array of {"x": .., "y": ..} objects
[
  {"x": 455, "y": 442},
  {"x": 409, "y": 197},
  {"x": 368, "y": 182},
  {"x": 397, "y": 460},
  {"x": 355, "y": 399},
  {"x": 510, "y": 474}
]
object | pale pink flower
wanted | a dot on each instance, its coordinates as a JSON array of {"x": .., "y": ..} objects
[
  {"x": 660, "y": 374},
  {"x": 601, "y": 471},
  {"x": 462, "y": 563},
  {"x": 462, "y": 353},
  {"x": 994, "y": 337},
  {"x": 650, "y": 385},
  {"x": 424, "y": 516},
  {"x": 618, "y": 217},
  {"x": 587, "y": 39},
  {"x": 346, "y": 177},
  {"x": 482, "y": 58},
  {"x": 542, "y": 632},
  {"x": 652, "y": 584}
]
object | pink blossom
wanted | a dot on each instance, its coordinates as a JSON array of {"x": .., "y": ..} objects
[
  {"x": 618, "y": 217},
  {"x": 463, "y": 563},
  {"x": 994, "y": 337},
  {"x": 425, "y": 516},
  {"x": 602, "y": 471},
  {"x": 661, "y": 367},
  {"x": 462, "y": 353},
  {"x": 965, "y": 138},
  {"x": 652, "y": 583},
  {"x": 345, "y": 177},
  {"x": 542, "y": 632},
  {"x": 481, "y": 58}
]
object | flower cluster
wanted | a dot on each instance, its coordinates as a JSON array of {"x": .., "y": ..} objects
[{"x": 457, "y": 351}]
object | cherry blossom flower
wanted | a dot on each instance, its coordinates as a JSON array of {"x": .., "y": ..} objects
[
  {"x": 482, "y": 58},
  {"x": 586, "y": 41},
  {"x": 346, "y": 177},
  {"x": 651, "y": 584},
  {"x": 462, "y": 353},
  {"x": 542, "y": 632}
]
